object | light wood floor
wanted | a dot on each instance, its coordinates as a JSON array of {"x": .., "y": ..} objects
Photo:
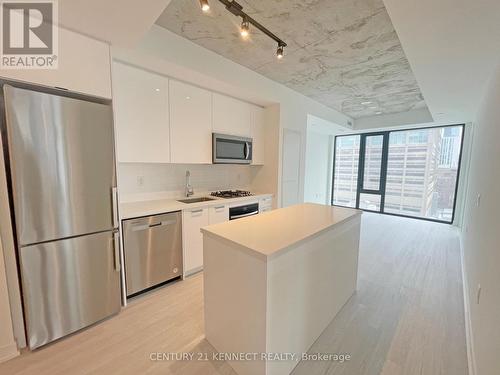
[{"x": 406, "y": 318}]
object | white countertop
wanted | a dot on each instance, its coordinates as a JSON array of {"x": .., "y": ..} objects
[
  {"x": 130, "y": 210},
  {"x": 269, "y": 233}
]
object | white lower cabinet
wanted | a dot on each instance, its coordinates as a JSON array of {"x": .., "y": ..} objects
[
  {"x": 218, "y": 214},
  {"x": 192, "y": 239},
  {"x": 265, "y": 204},
  {"x": 195, "y": 219}
]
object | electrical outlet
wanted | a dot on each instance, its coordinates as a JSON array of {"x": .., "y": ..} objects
[
  {"x": 478, "y": 295},
  {"x": 140, "y": 180},
  {"x": 478, "y": 200}
]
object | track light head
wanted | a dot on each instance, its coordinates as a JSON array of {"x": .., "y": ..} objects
[
  {"x": 245, "y": 28},
  {"x": 237, "y": 9},
  {"x": 280, "y": 52},
  {"x": 205, "y": 6}
]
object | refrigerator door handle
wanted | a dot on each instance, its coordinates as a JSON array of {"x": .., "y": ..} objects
[
  {"x": 114, "y": 193},
  {"x": 116, "y": 250}
]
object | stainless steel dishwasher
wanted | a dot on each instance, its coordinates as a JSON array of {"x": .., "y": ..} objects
[{"x": 153, "y": 250}]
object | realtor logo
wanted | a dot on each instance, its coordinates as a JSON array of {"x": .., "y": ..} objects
[{"x": 29, "y": 34}]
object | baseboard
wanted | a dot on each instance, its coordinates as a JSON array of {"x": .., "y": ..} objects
[
  {"x": 471, "y": 358},
  {"x": 8, "y": 352},
  {"x": 192, "y": 272}
]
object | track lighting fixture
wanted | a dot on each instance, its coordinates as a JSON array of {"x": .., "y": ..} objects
[
  {"x": 205, "y": 6},
  {"x": 236, "y": 9},
  {"x": 245, "y": 28},
  {"x": 280, "y": 52}
]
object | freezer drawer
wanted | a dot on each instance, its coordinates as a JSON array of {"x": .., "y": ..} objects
[
  {"x": 69, "y": 284},
  {"x": 153, "y": 250}
]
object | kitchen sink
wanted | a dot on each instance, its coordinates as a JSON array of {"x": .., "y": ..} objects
[{"x": 195, "y": 200}]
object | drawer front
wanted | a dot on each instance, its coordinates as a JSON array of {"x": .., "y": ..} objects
[
  {"x": 218, "y": 214},
  {"x": 68, "y": 285},
  {"x": 265, "y": 204}
]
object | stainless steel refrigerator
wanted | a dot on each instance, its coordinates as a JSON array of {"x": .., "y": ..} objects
[{"x": 59, "y": 150}]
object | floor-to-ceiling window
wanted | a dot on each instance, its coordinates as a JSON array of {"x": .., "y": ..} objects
[
  {"x": 402, "y": 172},
  {"x": 345, "y": 178}
]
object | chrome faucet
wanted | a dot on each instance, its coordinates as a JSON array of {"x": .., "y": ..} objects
[{"x": 189, "y": 188}]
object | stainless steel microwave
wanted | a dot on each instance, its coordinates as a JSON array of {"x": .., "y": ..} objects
[{"x": 230, "y": 149}]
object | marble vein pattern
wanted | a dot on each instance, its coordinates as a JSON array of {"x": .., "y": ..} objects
[{"x": 341, "y": 53}]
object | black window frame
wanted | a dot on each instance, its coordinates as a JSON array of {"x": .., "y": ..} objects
[{"x": 383, "y": 173}]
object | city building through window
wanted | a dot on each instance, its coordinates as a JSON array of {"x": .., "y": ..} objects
[{"x": 403, "y": 172}]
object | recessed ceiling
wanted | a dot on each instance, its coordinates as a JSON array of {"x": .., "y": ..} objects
[
  {"x": 341, "y": 53},
  {"x": 453, "y": 64},
  {"x": 122, "y": 22}
]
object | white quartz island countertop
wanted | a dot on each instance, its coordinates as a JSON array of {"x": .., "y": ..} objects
[
  {"x": 268, "y": 234},
  {"x": 273, "y": 282}
]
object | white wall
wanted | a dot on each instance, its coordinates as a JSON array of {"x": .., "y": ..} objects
[
  {"x": 291, "y": 171},
  {"x": 267, "y": 177},
  {"x": 9, "y": 258},
  {"x": 8, "y": 348},
  {"x": 165, "y": 181},
  {"x": 416, "y": 116},
  {"x": 480, "y": 234},
  {"x": 318, "y": 163},
  {"x": 166, "y": 53},
  {"x": 319, "y": 159}
]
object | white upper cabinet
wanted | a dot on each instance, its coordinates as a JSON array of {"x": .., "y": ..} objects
[
  {"x": 258, "y": 135},
  {"x": 190, "y": 124},
  {"x": 83, "y": 66},
  {"x": 231, "y": 116},
  {"x": 141, "y": 115}
]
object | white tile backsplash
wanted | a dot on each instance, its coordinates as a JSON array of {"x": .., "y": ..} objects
[{"x": 143, "y": 181}]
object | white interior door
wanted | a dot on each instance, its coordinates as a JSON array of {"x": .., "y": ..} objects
[{"x": 318, "y": 168}]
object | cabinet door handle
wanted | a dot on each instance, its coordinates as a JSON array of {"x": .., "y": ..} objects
[
  {"x": 196, "y": 211},
  {"x": 219, "y": 208}
]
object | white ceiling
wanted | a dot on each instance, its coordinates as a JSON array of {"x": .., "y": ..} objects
[
  {"x": 341, "y": 52},
  {"x": 121, "y": 22},
  {"x": 453, "y": 47}
]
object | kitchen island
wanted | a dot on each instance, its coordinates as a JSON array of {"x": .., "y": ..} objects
[{"x": 273, "y": 282}]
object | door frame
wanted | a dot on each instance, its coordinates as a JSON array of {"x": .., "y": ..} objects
[{"x": 361, "y": 169}]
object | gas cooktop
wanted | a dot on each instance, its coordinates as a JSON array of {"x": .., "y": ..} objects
[{"x": 231, "y": 193}]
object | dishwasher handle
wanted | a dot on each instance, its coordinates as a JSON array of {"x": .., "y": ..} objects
[
  {"x": 136, "y": 228},
  {"x": 163, "y": 223}
]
